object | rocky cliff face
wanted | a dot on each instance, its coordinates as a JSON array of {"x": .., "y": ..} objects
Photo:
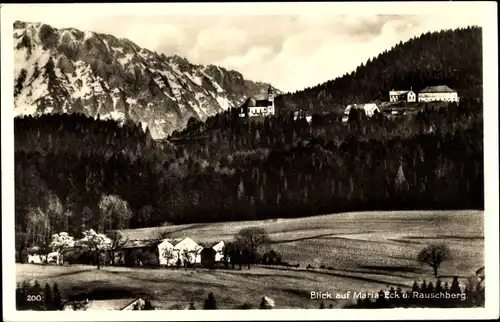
[{"x": 71, "y": 71}]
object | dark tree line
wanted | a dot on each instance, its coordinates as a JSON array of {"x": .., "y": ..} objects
[
  {"x": 38, "y": 298},
  {"x": 450, "y": 57}
]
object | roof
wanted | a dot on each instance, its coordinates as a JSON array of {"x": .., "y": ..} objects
[
  {"x": 188, "y": 243},
  {"x": 437, "y": 89},
  {"x": 109, "y": 305},
  {"x": 398, "y": 92},
  {"x": 171, "y": 241},
  {"x": 33, "y": 250},
  {"x": 260, "y": 103},
  {"x": 140, "y": 243}
]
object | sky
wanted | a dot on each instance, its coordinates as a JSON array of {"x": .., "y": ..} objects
[{"x": 291, "y": 47}]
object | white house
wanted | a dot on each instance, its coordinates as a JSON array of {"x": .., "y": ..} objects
[
  {"x": 53, "y": 257},
  {"x": 188, "y": 247},
  {"x": 36, "y": 258},
  {"x": 438, "y": 93},
  {"x": 219, "y": 251},
  {"x": 301, "y": 115},
  {"x": 171, "y": 250},
  {"x": 402, "y": 96},
  {"x": 165, "y": 248},
  {"x": 254, "y": 107}
]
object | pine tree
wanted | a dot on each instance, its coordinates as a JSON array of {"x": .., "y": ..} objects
[
  {"x": 210, "y": 302},
  {"x": 48, "y": 298},
  {"x": 148, "y": 306},
  {"x": 400, "y": 181},
  {"x": 58, "y": 304}
]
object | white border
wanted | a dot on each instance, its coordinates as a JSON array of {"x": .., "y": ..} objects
[{"x": 488, "y": 10}]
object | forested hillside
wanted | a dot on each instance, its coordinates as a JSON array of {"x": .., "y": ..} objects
[
  {"x": 451, "y": 57},
  {"x": 74, "y": 173}
]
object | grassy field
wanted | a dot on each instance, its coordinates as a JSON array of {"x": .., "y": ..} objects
[{"x": 365, "y": 251}]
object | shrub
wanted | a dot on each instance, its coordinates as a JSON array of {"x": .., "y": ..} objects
[
  {"x": 323, "y": 266},
  {"x": 245, "y": 306},
  {"x": 266, "y": 303},
  {"x": 309, "y": 266}
]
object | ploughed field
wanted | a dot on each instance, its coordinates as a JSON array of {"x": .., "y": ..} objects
[{"x": 356, "y": 252}]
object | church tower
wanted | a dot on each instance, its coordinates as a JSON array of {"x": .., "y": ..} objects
[
  {"x": 270, "y": 94},
  {"x": 270, "y": 98}
]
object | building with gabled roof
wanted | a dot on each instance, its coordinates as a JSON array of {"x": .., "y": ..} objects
[
  {"x": 369, "y": 109},
  {"x": 258, "y": 107},
  {"x": 441, "y": 93},
  {"x": 402, "y": 96}
]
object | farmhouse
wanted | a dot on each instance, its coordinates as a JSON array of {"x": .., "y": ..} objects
[
  {"x": 173, "y": 252},
  {"x": 35, "y": 255},
  {"x": 402, "y": 96},
  {"x": 219, "y": 251},
  {"x": 302, "y": 115},
  {"x": 134, "y": 252},
  {"x": 258, "y": 107},
  {"x": 438, "y": 93},
  {"x": 369, "y": 109}
]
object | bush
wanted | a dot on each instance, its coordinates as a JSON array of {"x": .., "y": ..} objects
[
  {"x": 266, "y": 303},
  {"x": 271, "y": 257},
  {"x": 309, "y": 266},
  {"x": 330, "y": 268},
  {"x": 323, "y": 266},
  {"x": 245, "y": 306}
]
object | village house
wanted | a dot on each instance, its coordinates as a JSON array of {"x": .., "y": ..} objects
[
  {"x": 302, "y": 115},
  {"x": 35, "y": 256},
  {"x": 135, "y": 252},
  {"x": 438, "y": 93},
  {"x": 258, "y": 107},
  {"x": 219, "y": 251},
  {"x": 402, "y": 96},
  {"x": 370, "y": 109},
  {"x": 173, "y": 252}
]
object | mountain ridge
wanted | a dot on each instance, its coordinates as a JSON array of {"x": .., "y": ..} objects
[{"x": 66, "y": 70}]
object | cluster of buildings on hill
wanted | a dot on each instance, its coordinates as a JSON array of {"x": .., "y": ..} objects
[
  {"x": 440, "y": 93},
  {"x": 255, "y": 107}
]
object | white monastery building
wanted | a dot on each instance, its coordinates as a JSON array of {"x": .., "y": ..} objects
[
  {"x": 263, "y": 107},
  {"x": 438, "y": 93}
]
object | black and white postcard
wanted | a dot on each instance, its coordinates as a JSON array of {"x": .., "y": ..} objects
[{"x": 298, "y": 160}]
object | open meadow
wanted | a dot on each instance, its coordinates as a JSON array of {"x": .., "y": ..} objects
[{"x": 365, "y": 251}]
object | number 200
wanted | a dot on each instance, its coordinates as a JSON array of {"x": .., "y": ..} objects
[{"x": 34, "y": 298}]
